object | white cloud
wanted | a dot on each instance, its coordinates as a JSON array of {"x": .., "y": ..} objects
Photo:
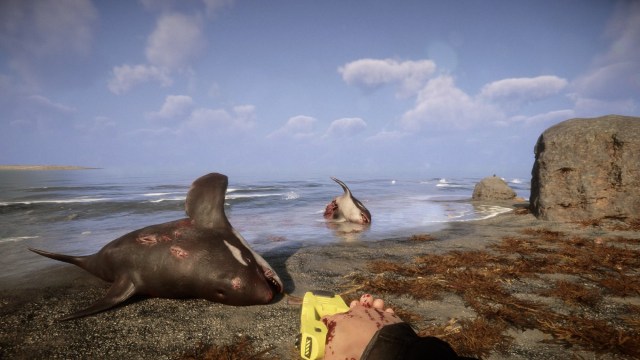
[
  {"x": 50, "y": 106},
  {"x": 100, "y": 126},
  {"x": 550, "y": 117},
  {"x": 297, "y": 127},
  {"x": 614, "y": 76},
  {"x": 160, "y": 5},
  {"x": 153, "y": 133},
  {"x": 595, "y": 107},
  {"x": 373, "y": 73},
  {"x": 610, "y": 81},
  {"x": 346, "y": 127},
  {"x": 44, "y": 27},
  {"x": 198, "y": 122},
  {"x": 441, "y": 105},
  {"x": 125, "y": 77},
  {"x": 211, "y": 121},
  {"x": 176, "y": 41},
  {"x": 212, "y": 6},
  {"x": 523, "y": 89},
  {"x": 174, "y": 106},
  {"x": 46, "y": 38},
  {"x": 247, "y": 113},
  {"x": 42, "y": 114},
  {"x": 386, "y": 135}
]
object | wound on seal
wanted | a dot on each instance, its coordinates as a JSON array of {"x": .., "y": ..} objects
[
  {"x": 178, "y": 252},
  {"x": 236, "y": 283},
  {"x": 330, "y": 209},
  {"x": 152, "y": 239},
  {"x": 147, "y": 239}
]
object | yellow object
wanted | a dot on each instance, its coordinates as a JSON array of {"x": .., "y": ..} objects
[{"x": 313, "y": 332}]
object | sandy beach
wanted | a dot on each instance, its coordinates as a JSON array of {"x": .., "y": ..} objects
[{"x": 173, "y": 329}]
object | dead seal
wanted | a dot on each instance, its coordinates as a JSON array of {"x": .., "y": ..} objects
[
  {"x": 347, "y": 208},
  {"x": 201, "y": 256}
]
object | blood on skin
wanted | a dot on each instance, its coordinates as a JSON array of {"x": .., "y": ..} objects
[
  {"x": 364, "y": 300},
  {"x": 236, "y": 283},
  {"x": 152, "y": 239},
  {"x": 148, "y": 239},
  {"x": 178, "y": 252},
  {"x": 330, "y": 209},
  {"x": 331, "y": 330},
  {"x": 181, "y": 226}
]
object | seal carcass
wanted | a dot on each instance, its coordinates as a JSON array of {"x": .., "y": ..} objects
[{"x": 201, "y": 256}]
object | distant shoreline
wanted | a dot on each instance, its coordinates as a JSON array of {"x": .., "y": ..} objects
[{"x": 45, "y": 167}]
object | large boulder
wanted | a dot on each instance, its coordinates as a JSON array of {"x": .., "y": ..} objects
[
  {"x": 492, "y": 188},
  {"x": 588, "y": 169}
]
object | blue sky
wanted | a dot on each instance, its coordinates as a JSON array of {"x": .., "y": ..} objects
[{"x": 294, "y": 89}]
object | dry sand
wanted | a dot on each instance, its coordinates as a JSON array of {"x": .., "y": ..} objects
[{"x": 167, "y": 329}]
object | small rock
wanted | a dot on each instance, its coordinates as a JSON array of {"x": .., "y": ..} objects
[{"x": 493, "y": 188}]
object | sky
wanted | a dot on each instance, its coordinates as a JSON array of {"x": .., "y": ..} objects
[{"x": 301, "y": 88}]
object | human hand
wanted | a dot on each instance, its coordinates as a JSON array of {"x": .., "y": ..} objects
[{"x": 349, "y": 333}]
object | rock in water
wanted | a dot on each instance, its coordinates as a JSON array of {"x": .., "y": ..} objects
[
  {"x": 588, "y": 169},
  {"x": 492, "y": 188}
]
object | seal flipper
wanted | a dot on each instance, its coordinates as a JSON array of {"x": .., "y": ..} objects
[
  {"x": 344, "y": 186},
  {"x": 205, "y": 201},
  {"x": 121, "y": 290}
]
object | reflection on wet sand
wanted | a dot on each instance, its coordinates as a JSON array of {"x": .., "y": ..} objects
[{"x": 346, "y": 230}]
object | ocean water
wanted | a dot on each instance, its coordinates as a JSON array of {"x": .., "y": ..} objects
[{"x": 78, "y": 212}]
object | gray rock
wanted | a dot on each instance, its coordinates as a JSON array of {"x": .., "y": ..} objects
[
  {"x": 492, "y": 188},
  {"x": 588, "y": 169}
]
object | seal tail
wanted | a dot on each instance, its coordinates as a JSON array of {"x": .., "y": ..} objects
[
  {"x": 75, "y": 260},
  {"x": 121, "y": 289}
]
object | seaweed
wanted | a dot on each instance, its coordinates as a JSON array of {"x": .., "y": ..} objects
[
  {"x": 422, "y": 237},
  {"x": 241, "y": 349},
  {"x": 574, "y": 294},
  {"x": 457, "y": 332},
  {"x": 514, "y": 283},
  {"x": 622, "y": 224}
]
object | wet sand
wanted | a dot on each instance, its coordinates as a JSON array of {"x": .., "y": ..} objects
[{"x": 168, "y": 329}]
